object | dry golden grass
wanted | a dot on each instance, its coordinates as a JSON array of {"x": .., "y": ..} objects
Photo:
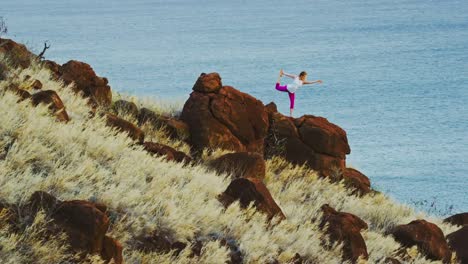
[{"x": 84, "y": 159}]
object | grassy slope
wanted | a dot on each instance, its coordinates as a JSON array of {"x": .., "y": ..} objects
[{"x": 84, "y": 159}]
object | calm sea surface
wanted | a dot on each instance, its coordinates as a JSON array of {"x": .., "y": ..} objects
[{"x": 395, "y": 72}]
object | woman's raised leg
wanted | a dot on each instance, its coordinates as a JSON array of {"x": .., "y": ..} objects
[{"x": 282, "y": 88}]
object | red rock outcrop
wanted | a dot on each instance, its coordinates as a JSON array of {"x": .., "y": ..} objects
[
  {"x": 208, "y": 83},
  {"x": 51, "y": 98},
  {"x": 356, "y": 180},
  {"x": 345, "y": 228},
  {"x": 458, "y": 219},
  {"x": 251, "y": 190},
  {"x": 223, "y": 117},
  {"x": 240, "y": 165},
  {"x": 87, "y": 82},
  {"x": 80, "y": 73},
  {"x": 426, "y": 236},
  {"x": 84, "y": 223},
  {"x": 458, "y": 242},
  {"x": 31, "y": 84},
  {"x": 17, "y": 53},
  {"x": 307, "y": 140},
  {"x": 122, "y": 125},
  {"x": 171, "y": 154}
]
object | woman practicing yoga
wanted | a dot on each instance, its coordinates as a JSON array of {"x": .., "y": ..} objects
[{"x": 293, "y": 87}]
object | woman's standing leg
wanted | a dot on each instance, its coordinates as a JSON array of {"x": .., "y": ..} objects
[{"x": 292, "y": 97}]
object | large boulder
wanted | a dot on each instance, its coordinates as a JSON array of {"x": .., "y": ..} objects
[
  {"x": 123, "y": 125},
  {"x": 345, "y": 228},
  {"x": 240, "y": 165},
  {"x": 85, "y": 224},
  {"x": 426, "y": 236},
  {"x": 51, "y": 98},
  {"x": 322, "y": 136},
  {"x": 223, "y": 117},
  {"x": 251, "y": 190},
  {"x": 87, "y": 82},
  {"x": 18, "y": 54},
  {"x": 171, "y": 154},
  {"x": 307, "y": 140},
  {"x": 458, "y": 219},
  {"x": 458, "y": 242}
]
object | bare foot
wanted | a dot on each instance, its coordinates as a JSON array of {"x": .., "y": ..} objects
[{"x": 280, "y": 75}]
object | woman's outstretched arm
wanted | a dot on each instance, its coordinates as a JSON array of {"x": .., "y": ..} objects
[
  {"x": 317, "y": 81},
  {"x": 288, "y": 74}
]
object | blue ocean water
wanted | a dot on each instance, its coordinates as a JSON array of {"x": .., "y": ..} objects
[{"x": 395, "y": 72}]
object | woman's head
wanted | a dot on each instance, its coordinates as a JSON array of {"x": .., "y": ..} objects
[{"x": 303, "y": 75}]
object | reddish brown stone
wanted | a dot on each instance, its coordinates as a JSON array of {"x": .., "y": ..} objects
[
  {"x": 308, "y": 140},
  {"x": 251, "y": 190},
  {"x": 205, "y": 130},
  {"x": 271, "y": 108},
  {"x": 458, "y": 242},
  {"x": 284, "y": 126},
  {"x": 53, "y": 67},
  {"x": 323, "y": 136},
  {"x": 87, "y": 82},
  {"x": 227, "y": 119},
  {"x": 18, "y": 54},
  {"x": 208, "y": 83},
  {"x": 240, "y": 165},
  {"x": 111, "y": 250},
  {"x": 40, "y": 200},
  {"x": 458, "y": 219},
  {"x": 84, "y": 224},
  {"x": 35, "y": 85},
  {"x": 122, "y": 125},
  {"x": 243, "y": 115},
  {"x": 163, "y": 150},
  {"x": 426, "y": 236},
  {"x": 51, "y": 98},
  {"x": 345, "y": 228},
  {"x": 356, "y": 180}
]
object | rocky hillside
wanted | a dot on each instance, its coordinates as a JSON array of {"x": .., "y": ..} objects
[{"x": 87, "y": 178}]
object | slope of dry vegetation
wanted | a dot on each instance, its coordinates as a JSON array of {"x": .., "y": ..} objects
[{"x": 87, "y": 160}]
